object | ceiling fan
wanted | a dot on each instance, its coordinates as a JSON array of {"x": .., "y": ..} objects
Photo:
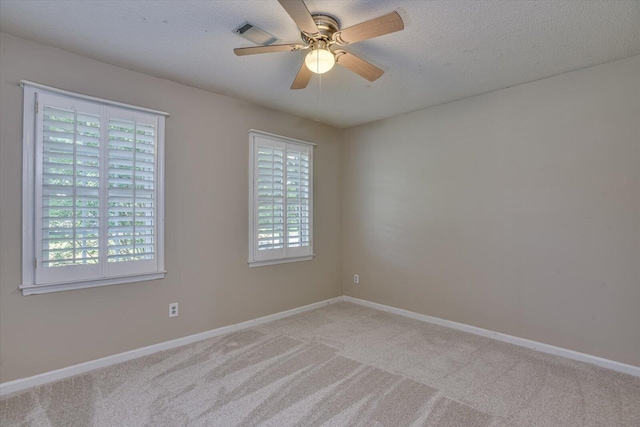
[{"x": 322, "y": 34}]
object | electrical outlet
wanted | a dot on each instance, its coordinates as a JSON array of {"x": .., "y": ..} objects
[
  {"x": 173, "y": 309},
  {"x": 356, "y": 278}
]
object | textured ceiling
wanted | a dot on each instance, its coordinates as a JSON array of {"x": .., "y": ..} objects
[{"x": 448, "y": 50}]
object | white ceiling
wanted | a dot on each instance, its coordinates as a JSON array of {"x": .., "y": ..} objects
[{"x": 448, "y": 50}]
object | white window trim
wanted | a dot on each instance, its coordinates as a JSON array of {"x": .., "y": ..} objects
[
  {"x": 252, "y": 215},
  {"x": 29, "y": 257}
]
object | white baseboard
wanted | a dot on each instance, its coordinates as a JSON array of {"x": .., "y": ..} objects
[
  {"x": 70, "y": 371},
  {"x": 534, "y": 345},
  {"x": 59, "y": 374}
]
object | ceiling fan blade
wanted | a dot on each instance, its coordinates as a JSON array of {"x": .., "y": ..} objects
[
  {"x": 241, "y": 51},
  {"x": 369, "y": 29},
  {"x": 302, "y": 78},
  {"x": 357, "y": 65},
  {"x": 298, "y": 11}
]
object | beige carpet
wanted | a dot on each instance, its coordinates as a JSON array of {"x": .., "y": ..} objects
[{"x": 339, "y": 365}]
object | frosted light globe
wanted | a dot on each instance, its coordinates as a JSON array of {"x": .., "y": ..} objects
[{"x": 320, "y": 61}]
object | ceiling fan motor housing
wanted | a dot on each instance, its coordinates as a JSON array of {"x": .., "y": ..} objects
[{"x": 327, "y": 25}]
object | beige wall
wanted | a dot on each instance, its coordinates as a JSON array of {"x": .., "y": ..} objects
[
  {"x": 206, "y": 221},
  {"x": 516, "y": 211}
]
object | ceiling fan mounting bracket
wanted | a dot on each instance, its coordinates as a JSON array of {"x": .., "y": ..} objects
[
  {"x": 335, "y": 38},
  {"x": 338, "y": 53}
]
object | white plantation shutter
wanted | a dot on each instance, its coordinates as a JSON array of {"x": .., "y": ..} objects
[
  {"x": 131, "y": 192},
  {"x": 270, "y": 197},
  {"x": 67, "y": 200},
  {"x": 94, "y": 196},
  {"x": 297, "y": 198},
  {"x": 280, "y": 200}
]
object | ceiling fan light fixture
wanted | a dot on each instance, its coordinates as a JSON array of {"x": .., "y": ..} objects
[{"x": 320, "y": 61}]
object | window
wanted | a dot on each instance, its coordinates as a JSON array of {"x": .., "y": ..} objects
[
  {"x": 93, "y": 208},
  {"x": 280, "y": 199}
]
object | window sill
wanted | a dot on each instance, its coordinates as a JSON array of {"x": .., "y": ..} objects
[
  {"x": 280, "y": 261},
  {"x": 59, "y": 287}
]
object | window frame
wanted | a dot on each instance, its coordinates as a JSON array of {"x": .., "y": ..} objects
[
  {"x": 30, "y": 257},
  {"x": 280, "y": 256}
]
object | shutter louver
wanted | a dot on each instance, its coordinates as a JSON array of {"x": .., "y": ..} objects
[
  {"x": 131, "y": 189},
  {"x": 70, "y": 187}
]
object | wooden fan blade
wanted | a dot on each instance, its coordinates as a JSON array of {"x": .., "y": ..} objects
[
  {"x": 302, "y": 78},
  {"x": 358, "y": 66},
  {"x": 366, "y": 30},
  {"x": 241, "y": 51},
  {"x": 298, "y": 11}
]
